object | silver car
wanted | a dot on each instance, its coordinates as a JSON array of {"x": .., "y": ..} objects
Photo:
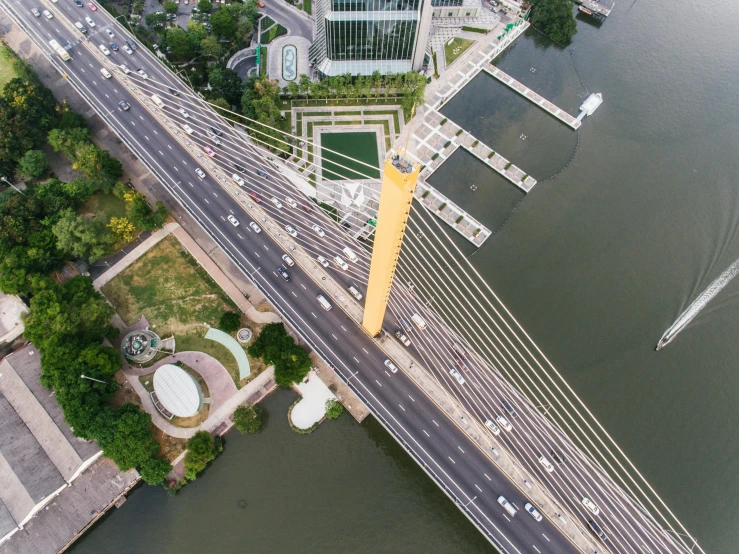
[
  {"x": 533, "y": 511},
  {"x": 391, "y": 366}
]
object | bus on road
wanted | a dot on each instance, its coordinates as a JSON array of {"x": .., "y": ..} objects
[{"x": 63, "y": 54}]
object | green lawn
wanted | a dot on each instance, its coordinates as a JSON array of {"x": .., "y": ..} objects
[
  {"x": 267, "y": 22},
  {"x": 272, "y": 34},
  {"x": 307, "y": 7},
  {"x": 457, "y": 47},
  {"x": 7, "y": 72},
  {"x": 263, "y": 64},
  {"x": 360, "y": 146},
  {"x": 168, "y": 286},
  {"x": 104, "y": 206}
]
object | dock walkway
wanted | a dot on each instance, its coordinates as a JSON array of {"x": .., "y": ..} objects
[{"x": 532, "y": 96}]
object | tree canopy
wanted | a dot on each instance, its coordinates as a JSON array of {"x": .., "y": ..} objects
[
  {"x": 201, "y": 449},
  {"x": 276, "y": 347},
  {"x": 249, "y": 420},
  {"x": 33, "y": 163},
  {"x": 555, "y": 19}
]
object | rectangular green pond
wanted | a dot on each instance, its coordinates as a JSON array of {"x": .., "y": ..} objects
[{"x": 359, "y": 146}]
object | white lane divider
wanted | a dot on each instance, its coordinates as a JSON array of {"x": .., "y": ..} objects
[
  {"x": 435, "y": 423},
  {"x": 460, "y": 449},
  {"x": 478, "y": 488},
  {"x": 401, "y": 407},
  {"x": 455, "y": 463},
  {"x": 424, "y": 431},
  {"x": 487, "y": 476},
  {"x": 376, "y": 381},
  {"x": 409, "y": 396}
]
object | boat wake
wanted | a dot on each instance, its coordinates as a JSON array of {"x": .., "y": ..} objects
[{"x": 698, "y": 304}]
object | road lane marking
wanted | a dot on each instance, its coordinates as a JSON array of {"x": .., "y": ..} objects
[
  {"x": 460, "y": 449},
  {"x": 401, "y": 407},
  {"x": 257, "y": 255},
  {"x": 376, "y": 381},
  {"x": 478, "y": 488},
  {"x": 160, "y": 152},
  {"x": 343, "y": 328},
  {"x": 335, "y": 337},
  {"x": 155, "y": 132},
  {"x": 435, "y": 423},
  {"x": 534, "y": 546},
  {"x": 238, "y": 235},
  {"x": 293, "y": 293},
  {"x": 425, "y": 433},
  {"x": 486, "y": 475},
  {"x": 314, "y": 315},
  {"x": 147, "y": 138},
  {"x": 214, "y": 194},
  {"x": 106, "y": 95},
  {"x": 223, "y": 218},
  {"x": 365, "y": 350},
  {"x": 302, "y": 285},
  {"x": 184, "y": 162},
  {"x": 175, "y": 168},
  {"x": 514, "y": 505},
  {"x": 206, "y": 200},
  {"x": 355, "y": 359},
  {"x": 193, "y": 186},
  {"x": 455, "y": 463},
  {"x": 168, "y": 146},
  {"x": 507, "y": 518},
  {"x": 409, "y": 396},
  {"x": 543, "y": 535},
  {"x": 134, "y": 124},
  {"x": 386, "y": 373}
]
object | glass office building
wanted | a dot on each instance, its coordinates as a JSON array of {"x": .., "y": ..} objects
[{"x": 363, "y": 36}]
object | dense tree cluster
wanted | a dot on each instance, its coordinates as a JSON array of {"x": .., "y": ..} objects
[
  {"x": 555, "y": 19},
  {"x": 39, "y": 230},
  {"x": 202, "y": 448},
  {"x": 230, "y": 322},
  {"x": 334, "y": 409},
  {"x": 277, "y": 348},
  {"x": 249, "y": 419}
]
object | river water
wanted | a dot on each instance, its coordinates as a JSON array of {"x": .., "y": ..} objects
[{"x": 595, "y": 263}]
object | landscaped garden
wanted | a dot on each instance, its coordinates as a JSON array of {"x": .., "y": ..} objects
[{"x": 455, "y": 48}]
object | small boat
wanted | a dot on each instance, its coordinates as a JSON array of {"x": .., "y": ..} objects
[{"x": 584, "y": 10}]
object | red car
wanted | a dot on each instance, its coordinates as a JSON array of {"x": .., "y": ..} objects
[
  {"x": 260, "y": 4},
  {"x": 306, "y": 208},
  {"x": 92, "y": 6},
  {"x": 210, "y": 151},
  {"x": 255, "y": 196}
]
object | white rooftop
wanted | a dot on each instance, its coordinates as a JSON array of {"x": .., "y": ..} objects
[{"x": 177, "y": 391}]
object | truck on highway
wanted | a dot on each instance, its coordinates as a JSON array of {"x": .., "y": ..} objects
[
  {"x": 419, "y": 321},
  {"x": 63, "y": 54}
]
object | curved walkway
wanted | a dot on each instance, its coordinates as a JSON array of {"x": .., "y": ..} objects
[
  {"x": 234, "y": 347},
  {"x": 225, "y": 397}
]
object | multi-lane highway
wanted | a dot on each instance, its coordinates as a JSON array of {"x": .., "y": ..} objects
[{"x": 466, "y": 473}]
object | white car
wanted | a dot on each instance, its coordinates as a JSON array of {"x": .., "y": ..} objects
[
  {"x": 111, "y": 34},
  {"x": 391, "y": 366},
  {"x": 47, "y": 14},
  {"x": 89, "y": 20},
  {"x": 238, "y": 180},
  {"x": 288, "y": 260},
  {"x": 533, "y": 511},
  {"x": 124, "y": 68},
  {"x": 184, "y": 113},
  {"x": 35, "y": 12},
  {"x": 402, "y": 338},
  {"x": 320, "y": 232},
  {"x": 276, "y": 202},
  {"x": 492, "y": 426},
  {"x": 341, "y": 263},
  {"x": 200, "y": 173},
  {"x": 189, "y": 130},
  {"x": 127, "y": 48},
  {"x": 105, "y": 50},
  {"x": 503, "y": 422},
  {"x": 233, "y": 220},
  {"x": 457, "y": 375},
  {"x": 323, "y": 261},
  {"x": 590, "y": 505},
  {"x": 254, "y": 227},
  {"x": 292, "y": 202},
  {"x": 546, "y": 463},
  {"x": 291, "y": 231},
  {"x": 105, "y": 73},
  {"x": 142, "y": 73}
]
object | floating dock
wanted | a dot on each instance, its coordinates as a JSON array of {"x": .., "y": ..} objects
[
  {"x": 596, "y": 8},
  {"x": 532, "y": 96},
  {"x": 590, "y": 105}
]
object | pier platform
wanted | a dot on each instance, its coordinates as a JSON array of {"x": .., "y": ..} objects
[
  {"x": 534, "y": 97},
  {"x": 600, "y": 8}
]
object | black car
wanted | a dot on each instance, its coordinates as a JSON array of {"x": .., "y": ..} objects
[
  {"x": 124, "y": 105},
  {"x": 114, "y": 47},
  {"x": 283, "y": 273},
  {"x": 79, "y": 3},
  {"x": 173, "y": 91},
  {"x": 240, "y": 168},
  {"x": 509, "y": 408},
  {"x": 217, "y": 131},
  {"x": 558, "y": 457},
  {"x": 597, "y": 530}
]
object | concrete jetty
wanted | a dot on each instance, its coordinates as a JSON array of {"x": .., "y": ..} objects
[
  {"x": 532, "y": 96},
  {"x": 597, "y": 7}
]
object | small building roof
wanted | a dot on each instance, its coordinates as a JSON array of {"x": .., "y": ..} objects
[{"x": 177, "y": 391}]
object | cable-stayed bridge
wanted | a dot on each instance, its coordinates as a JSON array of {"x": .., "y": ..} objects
[{"x": 439, "y": 418}]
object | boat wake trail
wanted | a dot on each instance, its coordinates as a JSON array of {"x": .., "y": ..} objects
[{"x": 698, "y": 304}]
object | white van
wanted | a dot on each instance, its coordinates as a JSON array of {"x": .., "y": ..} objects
[
  {"x": 325, "y": 304},
  {"x": 507, "y": 506},
  {"x": 349, "y": 253},
  {"x": 81, "y": 27},
  {"x": 355, "y": 293},
  {"x": 419, "y": 321},
  {"x": 157, "y": 100},
  {"x": 105, "y": 73}
]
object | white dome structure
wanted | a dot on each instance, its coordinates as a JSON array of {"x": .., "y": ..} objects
[{"x": 177, "y": 391}]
